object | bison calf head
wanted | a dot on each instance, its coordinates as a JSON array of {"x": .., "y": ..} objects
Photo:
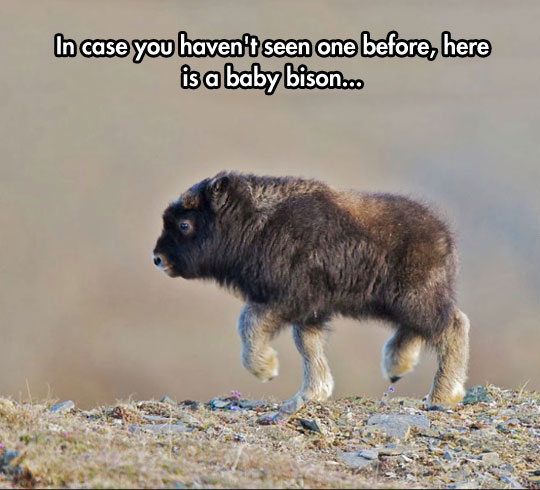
[{"x": 198, "y": 226}]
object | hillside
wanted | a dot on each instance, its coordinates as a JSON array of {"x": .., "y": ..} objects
[{"x": 491, "y": 442}]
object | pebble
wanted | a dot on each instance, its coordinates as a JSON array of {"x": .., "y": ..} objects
[
  {"x": 166, "y": 399},
  {"x": 356, "y": 461},
  {"x": 491, "y": 458},
  {"x": 509, "y": 481},
  {"x": 310, "y": 425},
  {"x": 193, "y": 405},
  {"x": 365, "y": 457},
  {"x": 156, "y": 418},
  {"x": 62, "y": 406},
  {"x": 477, "y": 394},
  {"x": 394, "y": 450},
  {"x": 6, "y": 463},
  {"x": 464, "y": 484},
  {"x": 397, "y": 425},
  {"x": 368, "y": 454},
  {"x": 219, "y": 403},
  {"x": 508, "y": 467},
  {"x": 251, "y": 404},
  {"x": 158, "y": 428}
]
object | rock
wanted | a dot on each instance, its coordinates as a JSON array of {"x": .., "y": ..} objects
[
  {"x": 7, "y": 457},
  {"x": 356, "y": 461},
  {"x": 510, "y": 481},
  {"x": 251, "y": 404},
  {"x": 310, "y": 425},
  {"x": 219, "y": 403},
  {"x": 8, "y": 464},
  {"x": 464, "y": 484},
  {"x": 394, "y": 450},
  {"x": 156, "y": 418},
  {"x": 368, "y": 454},
  {"x": 158, "y": 428},
  {"x": 477, "y": 394},
  {"x": 193, "y": 405},
  {"x": 491, "y": 458},
  {"x": 509, "y": 468},
  {"x": 363, "y": 457},
  {"x": 397, "y": 425},
  {"x": 62, "y": 406},
  {"x": 268, "y": 418},
  {"x": 514, "y": 483},
  {"x": 447, "y": 456},
  {"x": 166, "y": 399}
]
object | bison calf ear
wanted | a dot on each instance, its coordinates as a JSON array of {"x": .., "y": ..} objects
[{"x": 218, "y": 190}]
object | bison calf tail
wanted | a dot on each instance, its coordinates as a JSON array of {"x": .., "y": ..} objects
[{"x": 452, "y": 347}]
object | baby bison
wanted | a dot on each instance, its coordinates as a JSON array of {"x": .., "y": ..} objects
[{"x": 300, "y": 252}]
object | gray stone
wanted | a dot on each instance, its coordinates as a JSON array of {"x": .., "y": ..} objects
[
  {"x": 506, "y": 478},
  {"x": 397, "y": 425},
  {"x": 166, "y": 399},
  {"x": 356, "y": 461},
  {"x": 268, "y": 418},
  {"x": 158, "y": 428},
  {"x": 477, "y": 394},
  {"x": 6, "y": 463},
  {"x": 156, "y": 418},
  {"x": 464, "y": 484},
  {"x": 368, "y": 454},
  {"x": 219, "y": 403},
  {"x": 491, "y": 458},
  {"x": 62, "y": 406},
  {"x": 364, "y": 457},
  {"x": 448, "y": 456},
  {"x": 508, "y": 467},
  {"x": 512, "y": 482},
  {"x": 251, "y": 404},
  {"x": 310, "y": 425}
]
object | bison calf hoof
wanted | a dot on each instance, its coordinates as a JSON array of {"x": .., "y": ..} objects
[
  {"x": 438, "y": 400},
  {"x": 265, "y": 366},
  {"x": 320, "y": 392}
]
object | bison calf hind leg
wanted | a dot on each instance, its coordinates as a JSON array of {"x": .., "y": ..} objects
[
  {"x": 452, "y": 348},
  {"x": 400, "y": 354}
]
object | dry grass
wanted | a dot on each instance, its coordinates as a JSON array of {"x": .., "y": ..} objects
[{"x": 108, "y": 447}]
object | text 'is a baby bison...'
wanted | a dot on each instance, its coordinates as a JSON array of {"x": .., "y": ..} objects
[{"x": 301, "y": 252}]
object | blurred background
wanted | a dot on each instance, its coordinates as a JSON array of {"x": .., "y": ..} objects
[{"x": 92, "y": 150}]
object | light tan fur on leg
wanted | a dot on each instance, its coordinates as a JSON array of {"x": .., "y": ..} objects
[
  {"x": 453, "y": 355},
  {"x": 256, "y": 327},
  {"x": 317, "y": 383},
  {"x": 400, "y": 354}
]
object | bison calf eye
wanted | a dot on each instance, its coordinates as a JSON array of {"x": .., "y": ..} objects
[{"x": 185, "y": 226}]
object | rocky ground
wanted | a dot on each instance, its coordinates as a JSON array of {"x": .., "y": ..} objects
[{"x": 491, "y": 441}]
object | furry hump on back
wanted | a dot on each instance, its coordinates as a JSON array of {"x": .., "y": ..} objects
[{"x": 300, "y": 252}]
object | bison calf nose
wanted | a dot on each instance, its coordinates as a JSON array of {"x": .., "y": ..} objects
[{"x": 157, "y": 261}]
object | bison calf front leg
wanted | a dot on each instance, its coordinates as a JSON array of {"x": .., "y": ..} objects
[{"x": 256, "y": 327}]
